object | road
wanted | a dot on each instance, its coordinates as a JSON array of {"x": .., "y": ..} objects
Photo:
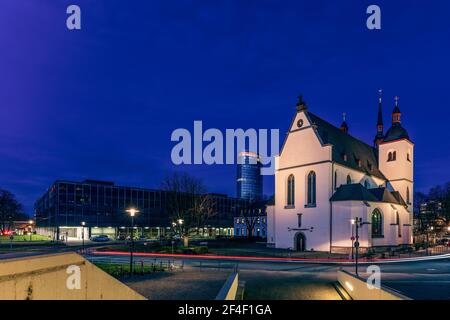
[{"x": 417, "y": 280}]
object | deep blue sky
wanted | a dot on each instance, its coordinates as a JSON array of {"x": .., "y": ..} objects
[{"x": 102, "y": 102}]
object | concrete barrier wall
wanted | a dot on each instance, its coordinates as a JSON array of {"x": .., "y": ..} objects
[
  {"x": 45, "y": 277},
  {"x": 229, "y": 289},
  {"x": 358, "y": 290}
]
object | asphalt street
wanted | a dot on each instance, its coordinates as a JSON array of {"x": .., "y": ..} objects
[{"x": 417, "y": 280}]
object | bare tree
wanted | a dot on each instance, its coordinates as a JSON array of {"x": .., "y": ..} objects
[
  {"x": 251, "y": 217},
  {"x": 189, "y": 205},
  {"x": 10, "y": 210}
]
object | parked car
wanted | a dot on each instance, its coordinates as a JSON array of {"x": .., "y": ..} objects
[{"x": 100, "y": 238}]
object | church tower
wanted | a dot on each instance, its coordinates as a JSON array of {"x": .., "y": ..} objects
[{"x": 396, "y": 158}]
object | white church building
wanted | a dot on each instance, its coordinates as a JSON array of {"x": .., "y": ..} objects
[{"x": 326, "y": 179}]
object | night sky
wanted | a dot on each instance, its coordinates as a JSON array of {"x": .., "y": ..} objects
[{"x": 102, "y": 102}]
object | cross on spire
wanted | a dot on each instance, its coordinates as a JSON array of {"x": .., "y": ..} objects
[
  {"x": 380, "y": 94},
  {"x": 301, "y": 104},
  {"x": 343, "y": 116},
  {"x": 396, "y": 98}
]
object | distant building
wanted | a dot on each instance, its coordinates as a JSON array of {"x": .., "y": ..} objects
[
  {"x": 429, "y": 220},
  {"x": 249, "y": 178},
  {"x": 102, "y": 204},
  {"x": 257, "y": 224}
]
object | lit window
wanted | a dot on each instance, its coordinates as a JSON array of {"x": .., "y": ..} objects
[{"x": 377, "y": 224}]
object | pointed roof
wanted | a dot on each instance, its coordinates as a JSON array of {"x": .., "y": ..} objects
[
  {"x": 396, "y": 108},
  {"x": 359, "y": 155},
  {"x": 396, "y": 132},
  {"x": 380, "y": 114}
]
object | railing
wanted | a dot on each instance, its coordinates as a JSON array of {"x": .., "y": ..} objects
[{"x": 139, "y": 266}]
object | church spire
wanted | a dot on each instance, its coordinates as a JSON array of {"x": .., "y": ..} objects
[
  {"x": 379, "y": 136},
  {"x": 380, "y": 113},
  {"x": 301, "y": 104},
  {"x": 396, "y": 114},
  {"x": 344, "y": 126}
]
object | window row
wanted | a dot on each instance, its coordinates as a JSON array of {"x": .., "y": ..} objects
[
  {"x": 310, "y": 190},
  {"x": 392, "y": 156}
]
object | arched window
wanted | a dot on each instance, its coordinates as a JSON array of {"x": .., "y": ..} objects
[
  {"x": 366, "y": 184},
  {"x": 397, "y": 222},
  {"x": 349, "y": 179},
  {"x": 290, "y": 190},
  {"x": 389, "y": 156},
  {"x": 311, "y": 191},
  {"x": 407, "y": 196},
  {"x": 335, "y": 180},
  {"x": 394, "y": 156},
  {"x": 377, "y": 224}
]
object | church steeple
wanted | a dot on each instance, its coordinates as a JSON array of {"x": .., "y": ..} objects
[
  {"x": 380, "y": 135},
  {"x": 344, "y": 126},
  {"x": 301, "y": 104},
  {"x": 396, "y": 114}
]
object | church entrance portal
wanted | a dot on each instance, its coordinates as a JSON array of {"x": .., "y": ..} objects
[{"x": 300, "y": 242}]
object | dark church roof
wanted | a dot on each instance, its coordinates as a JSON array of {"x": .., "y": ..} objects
[
  {"x": 347, "y": 150},
  {"x": 358, "y": 192},
  {"x": 396, "y": 132}
]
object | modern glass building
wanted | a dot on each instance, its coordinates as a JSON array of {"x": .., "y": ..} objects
[
  {"x": 102, "y": 206},
  {"x": 249, "y": 178}
]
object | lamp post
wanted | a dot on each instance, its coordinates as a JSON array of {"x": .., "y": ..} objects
[
  {"x": 352, "y": 221},
  {"x": 174, "y": 225},
  {"x": 82, "y": 234},
  {"x": 31, "y": 228},
  {"x": 180, "y": 222},
  {"x": 358, "y": 224},
  {"x": 132, "y": 212}
]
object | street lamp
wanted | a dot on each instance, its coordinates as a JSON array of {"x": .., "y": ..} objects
[
  {"x": 358, "y": 224},
  {"x": 132, "y": 212},
  {"x": 352, "y": 222},
  {"x": 82, "y": 233},
  {"x": 180, "y": 222},
  {"x": 31, "y": 228}
]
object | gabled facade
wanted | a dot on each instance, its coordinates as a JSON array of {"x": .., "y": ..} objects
[{"x": 325, "y": 178}]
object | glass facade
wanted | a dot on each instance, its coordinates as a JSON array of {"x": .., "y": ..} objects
[
  {"x": 249, "y": 178},
  {"x": 103, "y": 205}
]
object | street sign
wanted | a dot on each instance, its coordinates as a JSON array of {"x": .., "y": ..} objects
[{"x": 356, "y": 244}]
